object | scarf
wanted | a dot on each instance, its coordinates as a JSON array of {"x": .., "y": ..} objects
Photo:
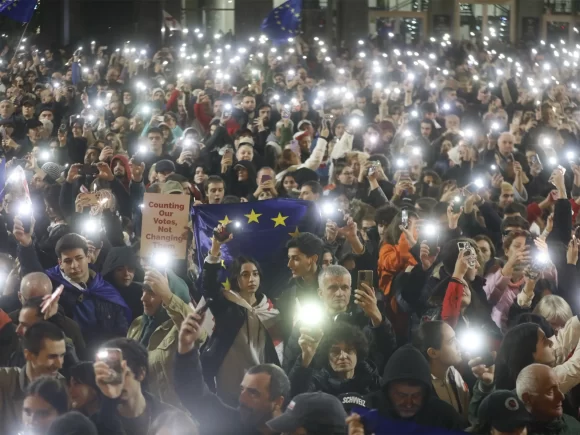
[{"x": 151, "y": 323}]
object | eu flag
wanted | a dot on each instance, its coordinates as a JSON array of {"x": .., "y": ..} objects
[
  {"x": 18, "y": 10},
  {"x": 266, "y": 227},
  {"x": 284, "y": 21}
]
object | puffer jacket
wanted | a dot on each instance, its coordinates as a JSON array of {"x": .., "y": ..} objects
[{"x": 162, "y": 344}]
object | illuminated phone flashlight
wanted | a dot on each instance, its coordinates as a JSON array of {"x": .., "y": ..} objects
[
  {"x": 45, "y": 155},
  {"x": 433, "y": 85},
  {"x": 143, "y": 149},
  {"x": 410, "y": 77},
  {"x": 401, "y": 163},
  {"x": 187, "y": 142},
  {"x": 85, "y": 70},
  {"x": 91, "y": 226},
  {"x": 416, "y": 151},
  {"x": 406, "y": 133},
  {"x": 311, "y": 314},
  {"x": 146, "y": 110},
  {"x": 56, "y": 85},
  {"x": 570, "y": 155},
  {"x": 141, "y": 206},
  {"x": 495, "y": 126},
  {"x": 573, "y": 86},
  {"x": 542, "y": 257},
  {"x": 553, "y": 161},
  {"x": 161, "y": 259},
  {"x": 547, "y": 141},
  {"x": 397, "y": 91},
  {"x": 468, "y": 133},
  {"x": 24, "y": 209},
  {"x": 471, "y": 341},
  {"x": 430, "y": 229},
  {"x": 446, "y": 106}
]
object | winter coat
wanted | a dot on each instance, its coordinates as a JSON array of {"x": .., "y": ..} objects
[
  {"x": 162, "y": 344},
  {"x": 366, "y": 380},
  {"x": 229, "y": 319},
  {"x": 408, "y": 364}
]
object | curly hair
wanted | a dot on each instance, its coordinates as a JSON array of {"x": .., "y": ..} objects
[{"x": 352, "y": 336}]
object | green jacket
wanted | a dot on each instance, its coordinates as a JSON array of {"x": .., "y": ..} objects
[
  {"x": 564, "y": 426},
  {"x": 162, "y": 348},
  {"x": 13, "y": 383}
]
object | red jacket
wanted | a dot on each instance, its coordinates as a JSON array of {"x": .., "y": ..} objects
[{"x": 127, "y": 178}]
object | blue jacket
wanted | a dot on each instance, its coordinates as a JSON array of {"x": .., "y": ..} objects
[{"x": 99, "y": 310}]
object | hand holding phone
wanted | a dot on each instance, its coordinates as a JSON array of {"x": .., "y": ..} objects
[{"x": 113, "y": 358}]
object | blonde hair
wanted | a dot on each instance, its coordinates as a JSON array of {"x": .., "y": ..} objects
[
  {"x": 506, "y": 187},
  {"x": 554, "y": 309}
]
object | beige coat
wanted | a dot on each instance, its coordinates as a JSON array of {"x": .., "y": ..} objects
[{"x": 162, "y": 348}]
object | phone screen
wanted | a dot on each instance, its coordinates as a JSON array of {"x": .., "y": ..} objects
[
  {"x": 113, "y": 358},
  {"x": 365, "y": 277},
  {"x": 265, "y": 178}
]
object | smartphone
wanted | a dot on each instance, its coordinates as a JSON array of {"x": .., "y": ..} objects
[
  {"x": 224, "y": 234},
  {"x": 88, "y": 170},
  {"x": 203, "y": 308},
  {"x": 113, "y": 357},
  {"x": 295, "y": 146},
  {"x": 26, "y": 222},
  {"x": 265, "y": 178},
  {"x": 285, "y": 114},
  {"x": 404, "y": 175},
  {"x": 405, "y": 219},
  {"x": 52, "y": 298},
  {"x": 430, "y": 234},
  {"x": 493, "y": 169},
  {"x": 517, "y": 116},
  {"x": 365, "y": 277},
  {"x": 510, "y": 158},
  {"x": 341, "y": 220},
  {"x": 458, "y": 202}
]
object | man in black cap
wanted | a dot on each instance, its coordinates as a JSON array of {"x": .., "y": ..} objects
[
  {"x": 33, "y": 137},
  {"x": 164, "y": 168},
  {"x": 311, "y": 414},
  {"x": 502, "y": 413},
  {"x": 28, "y": 106}
]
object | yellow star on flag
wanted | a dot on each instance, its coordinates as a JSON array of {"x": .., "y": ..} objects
[
  {"x": 227, "y": 284},
  {"x": 280, "y": 220},
  {"x": 223, "y": 264},
  {"x": 295, "y": 234},
  {"x": 225, "y": 221},
  {"x": 253, "y": 217}
]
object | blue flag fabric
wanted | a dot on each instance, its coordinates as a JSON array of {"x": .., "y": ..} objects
[
  {"x": 283, "y": 22},
  {"x": 266, "y": 227},
  {"x": 18, "y": 10},
  {"x": 379, "y": 425}
]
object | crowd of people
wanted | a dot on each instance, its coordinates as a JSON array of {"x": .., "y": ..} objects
[{"x": 439, "y": 294}]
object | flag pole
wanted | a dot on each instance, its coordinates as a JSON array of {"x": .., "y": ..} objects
[{"x": 21, "y": 38}]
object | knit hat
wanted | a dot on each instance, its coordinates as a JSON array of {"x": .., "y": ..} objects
[{"x": 53, "y": 170}]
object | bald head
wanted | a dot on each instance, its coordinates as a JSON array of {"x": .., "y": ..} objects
[{"x": 33, "y": 285}]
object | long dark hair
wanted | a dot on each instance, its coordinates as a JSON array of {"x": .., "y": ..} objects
[
  {"x": 515, "y": 353},
  {"x": 236, "y": 270},
  {"x": 393, "y": 233}
]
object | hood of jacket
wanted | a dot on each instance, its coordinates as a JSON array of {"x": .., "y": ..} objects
[
  {"x": 407, "y": 364},
  {"x": 125, "y": 161},
  {"x": 119, "y": 257}
]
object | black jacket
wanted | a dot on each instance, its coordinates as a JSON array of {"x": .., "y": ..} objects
[
  {"x": 381, "y": 339},
  {"x": 214, "y": 416},
  {"x": 108, "y": 421},
  {"x": 366, "y": 380},
  {"x": 229, "y": 318},
  {"x": 408, "y": 364}
]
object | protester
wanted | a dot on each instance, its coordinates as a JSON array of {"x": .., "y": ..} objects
[
  {"x": 442, "y": 177},
  {"x": 45, "y": 399}
]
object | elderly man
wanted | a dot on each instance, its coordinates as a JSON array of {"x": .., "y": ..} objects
[{"x": 537, "y": 387}]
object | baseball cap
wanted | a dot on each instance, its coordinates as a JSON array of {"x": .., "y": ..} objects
[
  {"x": 165, "y": 166},
  {"x": 33, "y": 123},
  {"x": 504, "y": 411},
  {"x": 311, "y": 410},
  {"x": 246, "y": 140},
  {"x": 28, "y": 102},
  {"x": 352, "y": 400},
  {"x": 171, "y": 187},
  {"x": 300, "y": 135},
  {"x": 304, "y": 121}
]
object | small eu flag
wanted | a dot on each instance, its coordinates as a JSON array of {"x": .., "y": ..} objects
[
  {"x": 284, "y": 21},
  {"x": 18, "y": 10},
  {"x": 262, "y": 230}
]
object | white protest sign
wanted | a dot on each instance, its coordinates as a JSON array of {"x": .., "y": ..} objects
[{"x": 165, "y": 219}]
